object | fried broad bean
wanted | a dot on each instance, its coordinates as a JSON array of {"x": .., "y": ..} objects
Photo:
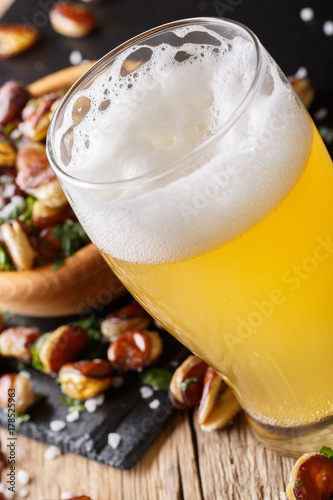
[
  {"x": 311, "y": 478},
  {"x": 130, "y": 317},
  {"x": 218, "y": 404},
  {"x": 16, "y": 38},
  {"x": 135, "y": 349},
  {"x": 13, "y": 97},
  {"x": 16, "y": 342},
  {"x": 37, "y": 115},
  {"x": 18, "y": 245},
  {"x": 83, "y": 380},
  {"x": 36, "y": 177},
  {"x": 187, "y": 383},
  {"x": 64, "y": 345},
  {"x": 22, "y": 390},
  {"x": 72, "y": 20}
]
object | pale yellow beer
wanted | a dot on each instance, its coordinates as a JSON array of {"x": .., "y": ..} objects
[
  {"x": 200, "y": 177},
  {"x": 260, "y": 308}
]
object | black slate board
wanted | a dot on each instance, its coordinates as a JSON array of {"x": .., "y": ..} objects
[{"x": 123, "y": 411}]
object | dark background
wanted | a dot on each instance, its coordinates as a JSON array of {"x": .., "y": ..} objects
[{"x": 291, "y": 41}]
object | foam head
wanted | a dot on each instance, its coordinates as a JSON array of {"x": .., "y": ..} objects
[{"x": 201, "y": 158}]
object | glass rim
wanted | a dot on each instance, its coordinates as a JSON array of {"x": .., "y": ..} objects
[{"x": 187, "y": 157}]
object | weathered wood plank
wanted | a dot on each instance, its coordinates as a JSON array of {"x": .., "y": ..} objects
[{"x": 233, "y": 465}]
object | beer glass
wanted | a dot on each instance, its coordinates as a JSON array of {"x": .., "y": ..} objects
[{"x": 197, "y": 172}]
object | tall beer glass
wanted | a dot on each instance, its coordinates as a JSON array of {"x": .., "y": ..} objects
[{"x": 199, "y": 175}]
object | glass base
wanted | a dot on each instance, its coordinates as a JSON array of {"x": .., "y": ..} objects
[{"x": 294, "y": 441}]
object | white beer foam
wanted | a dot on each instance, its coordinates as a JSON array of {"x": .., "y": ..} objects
[{"x": 159, "y": 113}]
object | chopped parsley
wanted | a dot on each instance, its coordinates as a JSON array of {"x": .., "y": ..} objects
[
  {"x": 72, "y": 404},
  {"x": 327, "y": 451},
  {"x": 21, "y": 418},
  {"x": 72, "y": 237},
  {"x": 156, "y": 377},
  {"x": 8, "y": 128},
  {"x": 298, "y": 483},
  {"x": 184, "y": 385},
  {"x": 5, "y": 262},
  {"x": 35, "y": 349},
  {"x": 21, "y": 212},
  {"x": 95, "y": 349}
]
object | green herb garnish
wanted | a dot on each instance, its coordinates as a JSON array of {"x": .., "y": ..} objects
[
  {"x": 156, "y": 377},
  {"x": 5, "y": 262},
  {"x": 72, "y": 404},
  {"x": 95, "y": 349},
  {"x": 327, "y": 451},
  {"x": 21, "y": 418},
  {"x": 72, "y": 237},
  {"x": 21, "y": 366},
  {"x": 35, "y": 349},
  {"x": 8, "y": 128},
  {"x": 21, "y": 212},
  {"x": 184, "y": 385},
  {"x": 298, "y": 483}
]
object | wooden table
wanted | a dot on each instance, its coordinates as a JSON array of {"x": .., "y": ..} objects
[{"x": 184, "y": 463}]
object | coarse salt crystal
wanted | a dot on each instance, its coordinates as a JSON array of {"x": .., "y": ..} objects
[
  {"x": 23, "y": 477},
  {"x": 24, "y": 492},
  {"x": 146, "y": 392},
  {"x": 100, "y": 399},
  {"x": 283, "y": 496},
  {"x": 75, "y": 57},
  {"x": 52, "y": 452},
  {"x": 73, "y": 416},
  {"x": 154, "y": 404},
  {"x": 90, "y": 405},
  {"x": 2, "y": 487},
  {"x": 328, "y": 28},
  {"x": 25, "y": 373},
  {"x": 302, "y": 72},
  {"x": 306, "y": 14},
  {"x": 114, "y": 440},
  {"x": 8, "y": 494},
  {"x": 117, "y": 382},
  {"x": 57, "y": 425},
  {"x": 66, "y": 494}
]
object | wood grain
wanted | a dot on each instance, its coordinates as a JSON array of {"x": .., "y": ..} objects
[{"x": 184, "y": 463}]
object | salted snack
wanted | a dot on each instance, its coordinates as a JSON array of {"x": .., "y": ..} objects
[
  {"x": 36, "y": 177},
  {"x": 17, "y": 243},
  {"x": 193, "y": 383},
  {"x": 135, "y": 349},
  {"x": 37, "y": 115},
  {"x": 127, "y": 318},
  {"x": 85, "y": 379},
  {"x": 64, "y": 345},
  {"x": 13, "y": 97},
  {"x": 218, "y": 404},
  {"x": 71, "y": 19},
  {"x": 16, "y": 38},
  {"x": 187, "y": 383},
  {"x": 37, "y": 225},
  {"x": 23, "y": 389},
  {"x": 16, "y": 342},
  {"x": 312, "y": 477}
]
